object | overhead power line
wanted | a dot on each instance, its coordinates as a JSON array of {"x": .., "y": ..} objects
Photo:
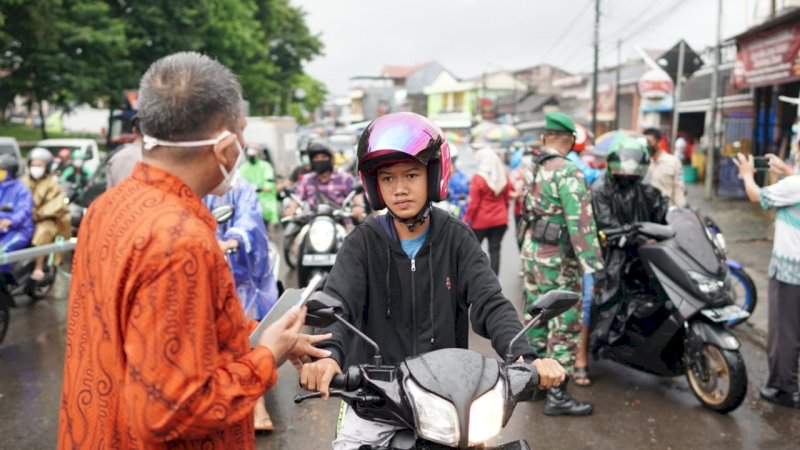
[{"x": 570, "y": 27}]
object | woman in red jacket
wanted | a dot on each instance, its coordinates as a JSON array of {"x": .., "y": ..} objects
[{"x": 489, "y": 193}]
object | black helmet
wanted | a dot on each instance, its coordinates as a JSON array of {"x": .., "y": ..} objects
[
  {"x": 10, "y": 164},
  {"x": 628, "y": 161},
  {"x": 316, "y": 148}
]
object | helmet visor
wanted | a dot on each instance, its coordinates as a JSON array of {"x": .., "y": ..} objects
[
  {"x": 399, "y": 136},
  {"x": 632, "y": 162}
]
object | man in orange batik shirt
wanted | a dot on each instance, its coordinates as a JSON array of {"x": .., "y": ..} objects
[{"x": 158, "y": 354}]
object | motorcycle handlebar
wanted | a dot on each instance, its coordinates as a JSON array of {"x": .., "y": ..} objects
[{"x": 339, "y": 381}]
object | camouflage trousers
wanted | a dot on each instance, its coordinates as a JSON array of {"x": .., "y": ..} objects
[{"x": 546, "y": 269}]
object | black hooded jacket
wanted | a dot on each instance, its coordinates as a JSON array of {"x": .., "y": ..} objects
[{"x": 410, "y": 307}]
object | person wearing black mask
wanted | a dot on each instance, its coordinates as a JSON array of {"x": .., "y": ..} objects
[{"x": 323, "y": 185}]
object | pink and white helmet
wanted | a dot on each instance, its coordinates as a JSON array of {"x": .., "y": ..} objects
[{"x": 401, "y": 136}]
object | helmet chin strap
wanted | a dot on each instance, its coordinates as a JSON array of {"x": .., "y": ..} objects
[{"x": 412, "y": 222}]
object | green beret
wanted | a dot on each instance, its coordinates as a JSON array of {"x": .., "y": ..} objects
[{"x": 558, "y": 121}]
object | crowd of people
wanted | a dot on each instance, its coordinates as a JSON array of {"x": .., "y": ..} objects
[{"x": 163, "y": 298}]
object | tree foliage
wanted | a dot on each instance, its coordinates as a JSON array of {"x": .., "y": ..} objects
[{"x": 67, "y": 51}]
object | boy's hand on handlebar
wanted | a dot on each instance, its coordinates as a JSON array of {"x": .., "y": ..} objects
[
  {"x": 551, "y": 374},
  {"x": 317, "y": 376}
]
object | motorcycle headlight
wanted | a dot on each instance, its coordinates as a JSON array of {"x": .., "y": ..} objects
[
  {"x": 486, "y": 414},
  {"x": 437, "y": 419},
  {"x": 705, "y": 284},
  {"x": 321, "y": 235},
  {"x": 720, "y": 240}
]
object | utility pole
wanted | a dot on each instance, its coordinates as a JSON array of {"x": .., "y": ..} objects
[
  {"x": 596, "y": 55},
  {"x": 711, "y": 114},
  {"x": 616, "y": 85},
  {"x": 677, "y": 92}
]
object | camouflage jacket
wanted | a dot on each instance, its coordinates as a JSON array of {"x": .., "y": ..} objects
[{"x": 559, "y": 194}]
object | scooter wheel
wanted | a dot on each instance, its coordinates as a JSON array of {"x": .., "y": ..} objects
[
  {"x": 743, "y": 291},
  {"x": 723, "y": 386}
]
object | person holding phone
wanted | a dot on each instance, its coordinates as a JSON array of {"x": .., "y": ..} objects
[
  {"x": 783, "y": 321},
  {"x": 158, "y": 353}
]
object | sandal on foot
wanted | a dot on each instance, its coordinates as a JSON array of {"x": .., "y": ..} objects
[
  {"x": 263, "y": 424},
  {"x": 581, "y": 377}
]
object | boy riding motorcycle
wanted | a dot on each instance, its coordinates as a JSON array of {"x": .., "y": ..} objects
[{"x": 411, "y": 278}]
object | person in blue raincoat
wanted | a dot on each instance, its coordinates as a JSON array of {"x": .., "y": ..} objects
[
  {"x": 458, "y": 188},
  {"x": 16, "y": 209},
  {"x": 246, "y": 234}
]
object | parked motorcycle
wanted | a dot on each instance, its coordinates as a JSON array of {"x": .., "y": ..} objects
[
  {"x": 449, "y": 398},
  {"x": 311, "y": 240},
  {"x": 678, "y": 325},
  {"x": 742, "y": 286}
]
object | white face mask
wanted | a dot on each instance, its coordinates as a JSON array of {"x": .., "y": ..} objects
[
  {"x": 527, "y": 160},
  {"x": 78, "y": 163},
  {"x": 230, "y": 180},
  {"x": 37, "y": 172}
]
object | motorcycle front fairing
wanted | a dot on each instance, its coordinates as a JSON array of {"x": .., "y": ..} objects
[
  {"x": 688, "y": 268},
  {"x": 456, "y": 376}
]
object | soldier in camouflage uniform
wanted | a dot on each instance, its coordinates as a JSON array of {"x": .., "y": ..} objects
[{"x": 557, "y": 200}]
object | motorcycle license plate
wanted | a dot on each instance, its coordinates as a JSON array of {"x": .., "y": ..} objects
[
  {"x": 319, "y": 260},
  {"x": 730, "y": 312}
]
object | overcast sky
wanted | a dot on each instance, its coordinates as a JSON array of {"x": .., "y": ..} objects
[{"x": 472, "y": 36}]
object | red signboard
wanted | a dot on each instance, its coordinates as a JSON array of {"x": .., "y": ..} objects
[{"x": 769, "y": 57}]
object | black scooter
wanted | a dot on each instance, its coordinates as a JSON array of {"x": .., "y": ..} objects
[
  {"x": 678, "y": 324},
  {"x": 449, "y": 398}
]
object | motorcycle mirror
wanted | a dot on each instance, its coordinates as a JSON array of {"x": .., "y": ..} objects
[
  {"x": 322, "y": 310},
  {"x": 553, "y": 304},
  {"x": 223, "y": 213}
]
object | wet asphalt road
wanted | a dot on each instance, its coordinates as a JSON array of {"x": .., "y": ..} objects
[{"x": 633, "y": 410}]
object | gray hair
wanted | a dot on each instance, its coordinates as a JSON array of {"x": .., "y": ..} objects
[{"x": 187, "y": 96}]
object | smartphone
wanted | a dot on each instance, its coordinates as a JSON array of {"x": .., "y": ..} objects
[
  {"x": 761, "y": 163},
  {"x": 290, "y": 297}
]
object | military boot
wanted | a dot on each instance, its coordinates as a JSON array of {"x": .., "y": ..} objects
[{"x": 559, "y": 403}]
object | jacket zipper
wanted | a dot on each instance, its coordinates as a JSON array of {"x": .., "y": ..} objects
[{"x": 414, "y": 306}]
